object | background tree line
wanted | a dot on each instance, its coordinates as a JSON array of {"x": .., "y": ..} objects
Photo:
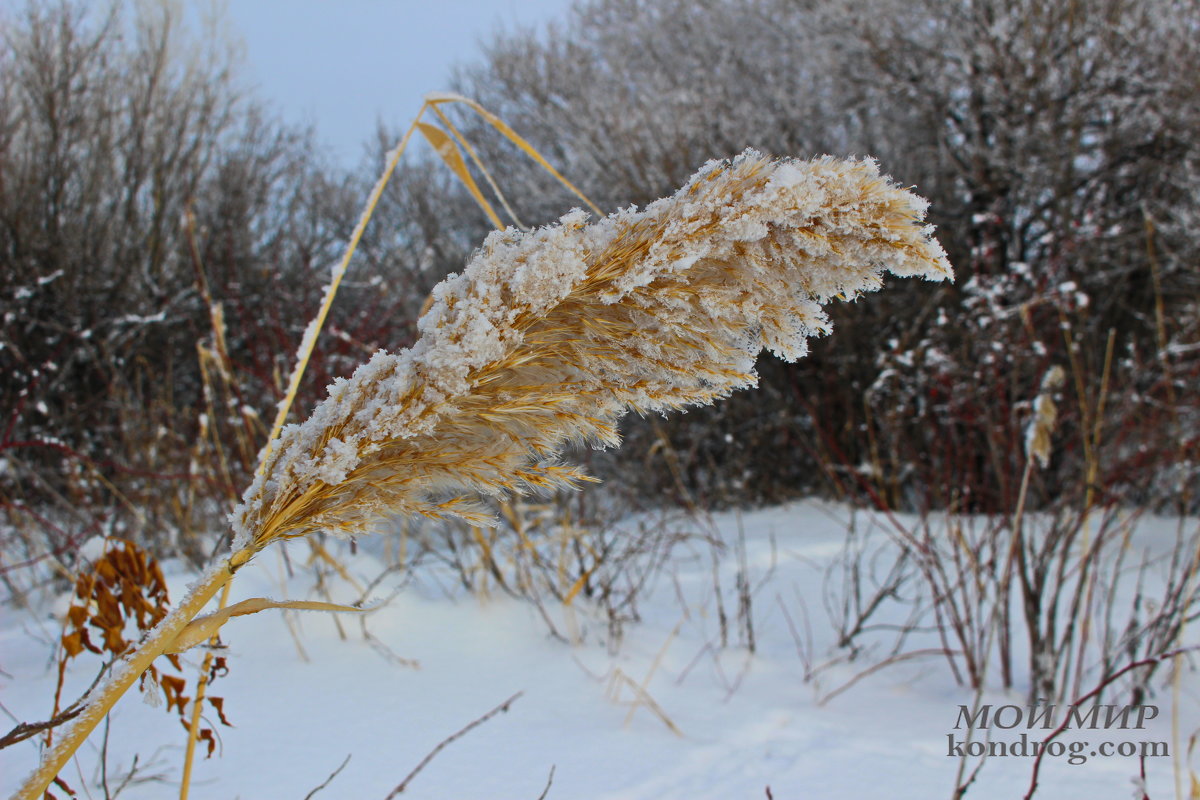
[{"x": 1055, "y": 140}]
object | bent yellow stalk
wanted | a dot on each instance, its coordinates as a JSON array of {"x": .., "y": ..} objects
[{"x": 548, "y": 337}]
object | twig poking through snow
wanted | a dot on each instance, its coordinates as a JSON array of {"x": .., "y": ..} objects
[
  {"x": 452, "y": 738},
  {"x": 549, "y": 783},
  {"x": 328, "y": 780}
]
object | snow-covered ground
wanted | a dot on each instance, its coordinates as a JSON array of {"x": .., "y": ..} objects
[{"x": 744, "y": 722}]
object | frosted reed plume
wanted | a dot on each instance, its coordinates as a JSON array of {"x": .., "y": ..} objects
[{"x": 550, "y": 336}]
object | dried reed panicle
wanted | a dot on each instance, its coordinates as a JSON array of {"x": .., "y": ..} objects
[
  {"x": 550, "y": 336},
  {"x": 1044, "y": 418}
]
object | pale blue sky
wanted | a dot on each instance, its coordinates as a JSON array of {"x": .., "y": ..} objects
[{"x": 342, "y": 64}]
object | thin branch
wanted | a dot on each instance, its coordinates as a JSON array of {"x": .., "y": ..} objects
[
  {"x": 550, "y": 781},
  {"x": 1145, "y": 662},
  {"x": 450, "y": 739},
  {"x": 328, "y": 780},
  {"x": 932, "y": 651},
  {"x": 26, "y": 730}
]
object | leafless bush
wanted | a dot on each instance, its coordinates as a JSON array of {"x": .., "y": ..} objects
[
  {"x": 867, "y": 577},
  {"x": 590, "y": 550},
  {"x": 1060, "y": 604}
]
